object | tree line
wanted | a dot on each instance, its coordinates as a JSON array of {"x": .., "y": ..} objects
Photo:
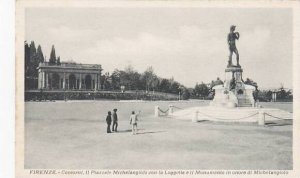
[
  {"x": 131, "y": 79},
  {"x": 32, "y": 57},
  {"x": 151, "y": 82}
]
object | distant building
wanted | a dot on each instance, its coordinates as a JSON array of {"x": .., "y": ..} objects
[{"x": 69, "y": 76}]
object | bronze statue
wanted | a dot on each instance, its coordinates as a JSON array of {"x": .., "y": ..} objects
[
  {"x": 232, "y": 36},
  {"x": 232, "y": 84}
]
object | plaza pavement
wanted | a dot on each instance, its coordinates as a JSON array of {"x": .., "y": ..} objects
[{"x": 161, "y": 143}]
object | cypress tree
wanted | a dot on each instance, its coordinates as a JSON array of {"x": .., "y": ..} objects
[
  {"x": 27, "y": 58},
  {"x": 40, "y": 54},
  {"x": 32, "y": 49},
  {"x": 52, "y": 59},
  {"x": 32, "y": 61}
]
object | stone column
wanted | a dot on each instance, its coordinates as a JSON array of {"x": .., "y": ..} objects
[
  {"x": 39, "y": 80},
  {"x": 171, "y": 109},
  {"x": 156, "y": 111},
  {"x": 261, "y": 118},
  {"x": 64, "y": 81},
  {"x": 195, "y": 119},
  {"x": 50, "y": 80},
  {"x": 98, "y": 82},
  {"x": 95, "y": 82},
  {"x": 80, "y": 82},
  {"x": 47, "y": 80},
  {"x": 43, "y": 80},
  {"x": 76, "y": 83}
]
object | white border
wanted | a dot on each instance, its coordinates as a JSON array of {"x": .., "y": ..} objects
[
  {"x": 7, "y": 88},
  {"x": 21, "y": 4}
]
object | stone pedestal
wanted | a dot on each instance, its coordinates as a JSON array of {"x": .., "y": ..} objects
[{"x": 233, "y": 93}]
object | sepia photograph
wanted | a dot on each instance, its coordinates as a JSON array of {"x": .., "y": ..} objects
[{"x": 156, "y": 87}]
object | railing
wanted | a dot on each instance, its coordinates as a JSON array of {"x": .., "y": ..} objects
[{"x": 197, "y": 115}]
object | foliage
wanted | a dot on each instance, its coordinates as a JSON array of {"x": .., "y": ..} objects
[
  {"x": 32, "y": 59},
  {"x": 251, "y": 82},
  {"x": 58, "y": 61},
  {"x": 148, "y": 81},
  {"x": 201, "y": 90},
  {"x": 90, "y": 95},
  {"x": 216, "y": 82},
  {"x": 284, "y": 95},
  {"x": 52, "y": 59},
  {"x": 186, "y": 93},
  {"x": 134, "y": 81}
]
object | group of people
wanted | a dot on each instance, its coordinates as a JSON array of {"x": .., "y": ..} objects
[{"x": 113, "y": 118}]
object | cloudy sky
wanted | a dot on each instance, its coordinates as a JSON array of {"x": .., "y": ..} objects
[{"x": 188, "y": 44}]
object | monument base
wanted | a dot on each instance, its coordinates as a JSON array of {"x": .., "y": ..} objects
[{"x": 233, "y": 93}]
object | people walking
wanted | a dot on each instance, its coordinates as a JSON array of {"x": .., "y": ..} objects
[
  {"x": 115, "y": 121},
  {"x": 133, "y": 122},
  {"x": 108, "y": 121}
]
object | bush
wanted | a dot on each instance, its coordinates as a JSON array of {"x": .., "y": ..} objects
[{"x": 90, "y": 95}]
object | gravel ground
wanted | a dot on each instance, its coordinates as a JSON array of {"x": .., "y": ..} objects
[{"x": 72, "y": 135}]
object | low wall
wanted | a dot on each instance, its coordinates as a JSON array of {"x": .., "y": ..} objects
[{"x": 37, "y": 95}]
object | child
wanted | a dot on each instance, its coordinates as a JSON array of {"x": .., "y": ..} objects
[{"x": 133, "y": 121}]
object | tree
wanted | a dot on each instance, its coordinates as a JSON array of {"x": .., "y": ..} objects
[
  {"x": 251, "y": 82},
  {"x": 115, "y": 80},
  {"x": 52, "y": 59},
  {"x": 31, "y": 64},
  {"x": 105, "y": 81},
  {"x": 40, "y": 54},
  {"x": 58, "y": 61},
  {"x": 185, "y": 93},
  {"x": 164, "y": 85},
  {"x": 129, "y": 78},
  {"x": 32, "y": 49},
  {"x": 216, "y": 82},
  {"x": 149, "y": 79},
  {"x": 201, "y": 90},
  {"x": 283, "y": 94},
  {"x": 27, "y": 58},
  {"x": 174, "y": 87}
]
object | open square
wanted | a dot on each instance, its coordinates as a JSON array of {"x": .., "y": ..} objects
[{"x": 72, "y": 135}]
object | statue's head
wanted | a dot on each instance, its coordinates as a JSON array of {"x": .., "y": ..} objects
[{"x": 232, "y": 27}]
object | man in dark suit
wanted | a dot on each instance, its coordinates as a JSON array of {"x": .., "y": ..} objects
[
  {"x": 115, "y": 121},
  {"x": 108, "y": 121}
]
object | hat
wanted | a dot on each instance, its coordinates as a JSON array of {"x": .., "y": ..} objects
[
  {"x": 115, "y": 109},
  {"x": 232, "y": 26}
]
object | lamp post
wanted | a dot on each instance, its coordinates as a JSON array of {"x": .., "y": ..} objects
[
  {"x": 122, "y": 88},
  {"x": 65, "y": 98},
  {"x": 179, "y": 93},
  {"x": 41, "y": 91}
]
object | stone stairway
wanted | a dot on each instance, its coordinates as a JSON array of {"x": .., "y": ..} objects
[{"x": 244, "y": 101}]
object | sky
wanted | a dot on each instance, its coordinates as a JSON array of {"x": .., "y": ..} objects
[{"x": 188, "y": 44}]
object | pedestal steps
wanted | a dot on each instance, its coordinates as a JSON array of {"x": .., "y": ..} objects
[{"x": 244, "y": 102}]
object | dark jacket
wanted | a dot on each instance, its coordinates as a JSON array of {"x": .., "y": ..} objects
[
  {"x": 115, "y": 117},
  {"x": 108, "y": 119}
]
